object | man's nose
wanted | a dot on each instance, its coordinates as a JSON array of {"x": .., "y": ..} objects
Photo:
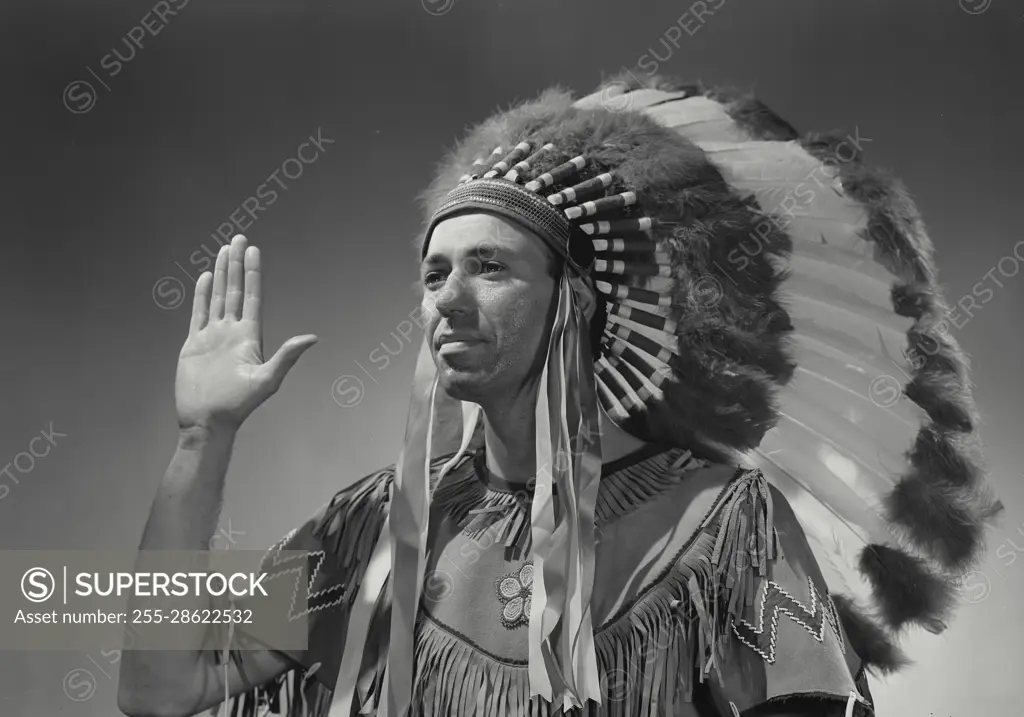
[{"x": 455, "y": 295}]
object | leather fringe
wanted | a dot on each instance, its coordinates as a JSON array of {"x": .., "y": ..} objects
[
  {"x": 504, "y": 516},
  {"x": 296, "y": 691}
]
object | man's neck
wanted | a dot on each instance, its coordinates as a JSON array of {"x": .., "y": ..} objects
[{"x": 511, "y": 444}]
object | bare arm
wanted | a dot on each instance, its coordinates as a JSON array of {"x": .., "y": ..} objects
[
  {"x": 221, "y": 379},
  {"x": 184, "y": 517}
]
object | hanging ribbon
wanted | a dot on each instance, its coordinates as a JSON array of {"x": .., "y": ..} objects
[
  {"x": 409, "y": 518},
  {"x": 409, "y": 524},
  {"x": 563, "y": 661}
]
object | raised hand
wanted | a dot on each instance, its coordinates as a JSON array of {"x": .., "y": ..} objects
[{"x": 221, "y": 375}]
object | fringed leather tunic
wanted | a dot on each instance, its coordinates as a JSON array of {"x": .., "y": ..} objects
[{"x": 707, "y": 599}]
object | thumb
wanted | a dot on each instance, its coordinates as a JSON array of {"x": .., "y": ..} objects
[{"x": 281, "y": 362}]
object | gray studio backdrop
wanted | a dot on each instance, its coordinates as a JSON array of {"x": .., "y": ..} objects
[{"x": 134, "y": 132}]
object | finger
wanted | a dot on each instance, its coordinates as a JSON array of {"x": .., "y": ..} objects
[
  {"x": 281, "y": 363},
  {"x": 252, "y": 307},
  {"x": 220, "y": 283},
  {"x": 201, "y": 303},
  {"x": 236, "y": 278}
]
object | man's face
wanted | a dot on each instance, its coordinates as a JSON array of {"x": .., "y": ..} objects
[{"x": 488, "y": 283}]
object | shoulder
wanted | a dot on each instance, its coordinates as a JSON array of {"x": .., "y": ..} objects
[
  {"x": 366, "y": 501},
  {"x": 784, "y": 632},
  {"x": 745, "y": 585},
  {"x": 664, "y": 488},
  {"x": 358, "y": 508},
  {"x": 371, "y": 493},
  {"x": 657, "y": 544},
  {"x": 722, "y": 560}
]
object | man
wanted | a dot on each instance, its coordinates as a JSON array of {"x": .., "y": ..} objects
[{"x": 618, "y": 535}]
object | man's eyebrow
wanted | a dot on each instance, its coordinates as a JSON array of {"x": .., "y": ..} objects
[
  {"x": 482, "y": 252},
  {"x": 487, "y": 251}
]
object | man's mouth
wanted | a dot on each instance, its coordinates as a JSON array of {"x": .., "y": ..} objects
[
  {"x": 451, "y": 347},
  {"x": 456, "y": 340}
]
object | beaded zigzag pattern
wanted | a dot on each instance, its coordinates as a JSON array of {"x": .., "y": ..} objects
[
  {"x": 775, "y": 601},
  {"x": 313, "y": 561}
]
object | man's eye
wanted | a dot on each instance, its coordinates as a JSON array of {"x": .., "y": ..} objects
[
  {"x": 491, "y": 266},
  {"x": 432, "y": 278}
]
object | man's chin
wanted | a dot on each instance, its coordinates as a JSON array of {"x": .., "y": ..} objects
[{"x": 463, "y": 384}]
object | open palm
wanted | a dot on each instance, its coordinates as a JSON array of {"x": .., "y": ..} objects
[{"x": 221, "y": 375}]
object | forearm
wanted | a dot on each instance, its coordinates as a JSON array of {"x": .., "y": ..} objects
[
  {"x": 187, "y": 505},
  {"x": 183, "y": 516}
]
